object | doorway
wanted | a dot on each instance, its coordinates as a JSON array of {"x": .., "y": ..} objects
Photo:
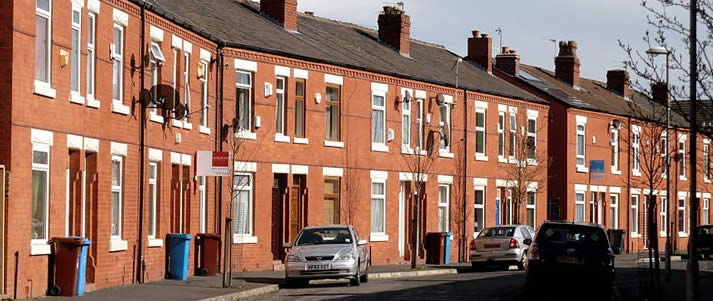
[
  {"x": 279, "y": 194},
  {"x": 297, "y": 213}
]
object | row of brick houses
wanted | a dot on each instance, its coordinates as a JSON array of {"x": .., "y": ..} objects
[{"x": 321, "y": 117}]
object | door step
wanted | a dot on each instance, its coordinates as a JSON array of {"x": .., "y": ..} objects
[{"x": 277, "y": 265}]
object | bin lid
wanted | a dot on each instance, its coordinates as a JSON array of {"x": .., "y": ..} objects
[
  {"x": 208, "y": 236},
  {"x": 185, "y": 236},
  {"x": 75, "y": 240}
]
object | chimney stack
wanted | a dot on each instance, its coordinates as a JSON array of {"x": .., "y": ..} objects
[
  {"x": 567, "y": 63},
  {"x": 395, "y": 29},
  {"x": 284, "y": 12},
  {"x": 618, "y": 81},
  {"x": 659, "y": 93},
  {"x": 480, "y": 50},
  {"x": 508, "y": 61}
]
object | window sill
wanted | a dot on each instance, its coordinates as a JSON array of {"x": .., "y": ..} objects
[
  {"x": 120, "y": 108},
  {"x": 662, "y": 234},
  {"x": 635, "y": 173},
  {"x": 378, "y": 237},
  {"x": 177, "y": 123},
  {"x": 445, "y": 154},
  {"x": 532, "y": 162},
  {"x": 187, "y": 125},
  {"x": 300, "y": 140},
  {"x": 635, "y": 235},
  {"x": 43, "y": 89},
  {"x": 682, "y": 234},
  {"x": 204, "y": 130},
  {"x": 502, "y": 159},
  {"x": 245, "y": 135},
  {"x": 76, "y": 98},
  {"x": 407, "y": 150},
  {"x": 481, "y": 157},
  {"x": 615, "y": 171},
  {"x": 243, "y": 239},
  {"x": 93, "y": 103},
  {"x": 156, "y": 118},
  {"x": 582, "y": 169},
  {"x": 338, "y": 144},
  {"x": 379, "y": 148},
  {"x": 282, "y": 138},
  {"x": 682, "y": 178},
  {"x": 40, "y": 249},
  {"x": 155, "y": 243},
  {"x": 116, "y": 245}
]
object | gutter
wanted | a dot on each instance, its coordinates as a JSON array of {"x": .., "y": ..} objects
[{"x": 218, "y": 137}]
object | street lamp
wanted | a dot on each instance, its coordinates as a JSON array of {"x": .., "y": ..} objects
[{"x": 656, "y": 51}]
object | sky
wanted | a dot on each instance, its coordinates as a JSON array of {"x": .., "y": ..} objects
[{"x": 527, "y": 26}]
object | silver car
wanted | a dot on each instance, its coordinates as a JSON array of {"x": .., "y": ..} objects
[
  {"x": 327, "y": 252},
  {"x": 503, "y": 245}
]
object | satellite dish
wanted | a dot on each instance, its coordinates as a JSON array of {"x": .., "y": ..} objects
[
  {"x": 407, "y": 97},
  {"x": 440, "y": 99}
]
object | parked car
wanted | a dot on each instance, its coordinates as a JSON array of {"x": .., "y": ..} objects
[
  {"x": 704, "y": 240},
  {"x": 503, "y": 245},
  {"x": 327, "y": 252},
  {"x": 570, "y": 255}
]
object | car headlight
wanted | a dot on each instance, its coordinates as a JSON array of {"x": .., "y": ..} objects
[
  {"x": 346, "y": 257},
  {"x": 294, "y": 258}
]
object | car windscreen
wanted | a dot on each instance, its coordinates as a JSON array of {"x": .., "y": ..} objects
[
  {"x": 497, "y": 231},
  {"x": 705, "y": 230},
  {"x": 572, "y": 234},
  {"x": 324, "y": 236}
]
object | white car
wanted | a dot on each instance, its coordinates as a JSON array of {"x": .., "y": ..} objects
[{"x": 503, "y": 245}]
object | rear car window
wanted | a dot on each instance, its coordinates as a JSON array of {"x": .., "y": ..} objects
[
  {"x": 500, "y": 231},
  {"x": 705, "y": 230},
  {"x": 568, "y": 233}
]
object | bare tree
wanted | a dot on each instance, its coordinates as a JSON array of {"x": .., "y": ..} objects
[
  {"x": 458, "y": 210},
  {"x": 352, "y": 181}
]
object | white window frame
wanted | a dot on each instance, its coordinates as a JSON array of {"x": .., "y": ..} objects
[
  {"x": 635, "y": 215},
  {"x": 532, "y": 134},
  {"x": 501, "y": 136},
  {"x": 706, "y": 211},
  {"x": 509, "y": 213},
  {"x": 636, "y": 151},
  {"x": 118, "y": 103},
  {"x": 204, "y": 98},
  {"x": 682, "y": 152},
  {"x": 532, "y": 207},
  {"x": 202, "y": 201},
  {"x": 75, "y": 95},
  {"x": 175, "y": 50},
  {"x": 680, "y": 208},
  {"x": 45, "y": 87},
  {"x": 91, "y": 60},
  {"x": 153, "y": 180},
  {"x": 614, "y": 204},
  {"x": 406, "y": 124},
  {"x": 513, "y": 136},
  {"x": 706, "y": 162},
  {"x": 477, "y": 207},
  {"x": 664, "y": 152},
  {"x": 248, "y": 87},
  {"x": 281, "y": 118},
  {"x": 375, "y": 235},
  {"x": 445, "y": 150},
  {"x": 45, "y": 148},
  {"x": 153, "y": 69},
  {"x": 444, "y": 204},
  {"x": 581, "y": 203},
  {"x": 481, "y": 156},
  {"x": 663, "y": 220},
  {"x": 581, "y": 167},
  {"x": 247, "y": 237},
  {"x": 614, "y": 143},
  {"x": 376, "y": 145},
  {"x": 118, "y": 188},
  {"x": 419, "y": 123},
  {"x": 187, "y": 87}
]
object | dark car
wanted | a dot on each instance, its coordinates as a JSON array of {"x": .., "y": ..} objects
[
  {"x": 704, "y": 240},
  {"x": 567, "y": 255}
]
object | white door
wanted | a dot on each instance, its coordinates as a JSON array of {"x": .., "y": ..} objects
[{"x": 402, "y": 216}]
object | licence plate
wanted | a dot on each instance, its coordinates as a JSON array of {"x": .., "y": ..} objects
[
  {"x": 570, "y": 260},
  {"x": 703, "y": 249},
  {"x": 491, "y": 246},
  {"x": 317, "y": 267}
]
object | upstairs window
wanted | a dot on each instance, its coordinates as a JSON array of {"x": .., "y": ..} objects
[
  {"x": 300, "y": 108},
  {"x": 43, "y": 39},
  {"x": 332, "y": 113},
  {"x": 406, "y": 125},
  {"x": 635, "y": 141},
  {"x": 76, "y": 48},
  {"x": 580, "y": 145},
  {"x": 186, "y": 84},
  {"x": 513, "y": 136},
  {"x": 614, "y": 143},
  {"x": 501, "y": 134},
  {"x": 117, "y": 48},
  {"x": 91, "y": 54},
  {"x": 281, "y": 108},
  {"x": 378, "y": 119},
  {"x": 244, "y": 87},
  {"x": 682, "y": 159},
  {"x": 204, "y": 94},
  {"x": 445, "y": 127},
  {"x": 480, "y": 132},
  {"x": 706, "y": 162},
  {"x": 531, "y": 139},
  {"x": 419, "y": 123}
]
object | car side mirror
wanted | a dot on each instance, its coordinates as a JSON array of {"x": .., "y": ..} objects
[
  {"x": 361, "y": 242},
  {"x": 287, "y": 245},
  {"x": 527, "y": 241}
]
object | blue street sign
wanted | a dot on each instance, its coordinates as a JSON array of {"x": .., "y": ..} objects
[{"x": 596, "y": 169}]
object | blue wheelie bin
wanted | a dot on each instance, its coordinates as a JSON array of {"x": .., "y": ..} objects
[
  {"x": 178, "y": 251},
  {"x": 447, "y": 253},
  {"x": 82, "y": 278}
]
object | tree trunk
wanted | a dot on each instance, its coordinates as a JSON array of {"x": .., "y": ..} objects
[{"x": 414, "y": 230}]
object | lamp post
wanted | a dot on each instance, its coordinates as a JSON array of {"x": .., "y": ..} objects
[{"x": 655, "y": 51}]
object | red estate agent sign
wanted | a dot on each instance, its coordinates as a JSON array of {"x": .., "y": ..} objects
[{"x": 212, "y": 164}]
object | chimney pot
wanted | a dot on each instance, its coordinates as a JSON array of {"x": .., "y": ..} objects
[
  {"x": 480, "y": 50},
  {"x": 395, "y": 29},
  {"x": 476, "y": 33},
  {"x": 505, "y": 49},
  {"x": 283, "y": 12},
  {"x": 484, "y": 35},
  {"x": 508, "y": 61}
]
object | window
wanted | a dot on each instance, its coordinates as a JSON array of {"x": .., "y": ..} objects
[
  {"x": 444, "y": 197},
  {"x": 613, "y": 211},
  {"x": 580, "y": 145},
  {"x": 682, "y": 159},
  {"x": 480, "y": 132},
  {"x": 706, "y": 211},
  {"x": 706, "y": 162},
  {"x": 531, "y": 139},
  {"x": 634, "y": 214},
  {"x": 153, "y": 171},
  {"x": 204, "y": 94},
  {"x": 681, "y": 216},
  {"x": 153, "y": 68},
  {"x": 378, "y": 207},
  {"x": 40, "y": 192},
  {"x": 91, "y": 55},
  {"x": 530, "y": 208},
  {"x": 419, "y": 122},
  {"x": 244, "y": 87},
  {"x": 116, "y": 196},
  {"x": 331, "y": 200},
  {"x": 508, "y": 208},
  {"x": 445, "y": 127},
  {"x": 405, "y": 126},
  {"x": 614, "y": 143},
  {"x": 378, "y": 118},
  {"x": 202, "y": 204},
  {"x": 501, "y": 134},
  {"x": 186, "y": 84},
  {"x": 513, "y": 135},
  {"x": 300, "y": 108},
  {"x": 662, "y": 215},
  {"x": 175, "y": 78},
  {"x": 243, "y": 204},
  {"x": 579, "y": 205},
  {"x": 76, "y": 47},
  {"x": 43, "y": 39},
  {"x": 281, "y": 108},
  {"x": 332, "y": 113},
  {"x": 117, "y": 48},
  {"x": 635, "y": 140},
  {"x": 479, "y": 208}
]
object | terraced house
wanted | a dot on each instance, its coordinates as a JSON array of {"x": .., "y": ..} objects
[{"x": 321, "y": 118}]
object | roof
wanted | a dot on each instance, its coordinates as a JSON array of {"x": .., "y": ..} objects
[
  {"x": 594, "y": 95},
  {"x": 704, "y": 113},
  {"x": 238, "y": 24}
]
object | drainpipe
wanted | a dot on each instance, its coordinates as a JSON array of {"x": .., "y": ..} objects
[
  {"x": 142, "y": 113},
  {"x": 219, "y": 134},
  {"x": 630, "y": 245},
  {"x": 464, "y": 243}
]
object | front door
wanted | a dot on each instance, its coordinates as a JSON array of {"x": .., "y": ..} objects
[{"x": 278, "y": 197}]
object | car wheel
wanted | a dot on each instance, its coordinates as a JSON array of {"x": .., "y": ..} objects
[
  {"x": 523, "y": 262},
  {"x": 356, "y": 281},
  {"x": 476, "y": 266},
  {"x": 365, "y": 277},
  {"x": 297, "y": 283}
]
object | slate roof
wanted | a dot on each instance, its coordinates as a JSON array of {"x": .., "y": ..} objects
[{"x": 239, "y": 24}]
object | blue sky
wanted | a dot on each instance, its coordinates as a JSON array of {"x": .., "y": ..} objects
[{"x": 527, "y": 25}]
